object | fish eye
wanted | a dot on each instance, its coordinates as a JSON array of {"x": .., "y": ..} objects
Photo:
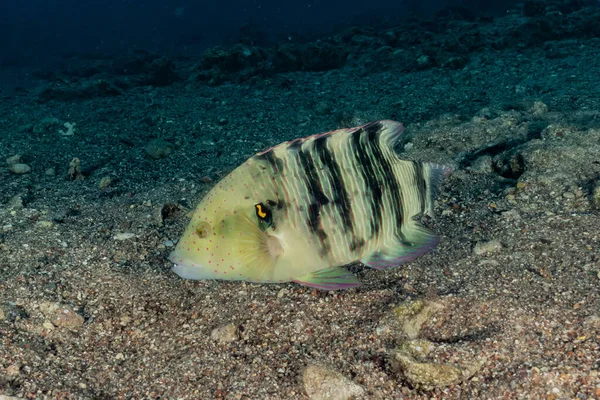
[
  {"x": 263, "y": 213},
  {"x": 203, "y": 229}
]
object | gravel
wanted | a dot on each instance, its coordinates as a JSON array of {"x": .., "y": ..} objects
[{"x": 89, "y": 308}]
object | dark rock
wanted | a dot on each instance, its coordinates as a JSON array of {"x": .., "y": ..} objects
[
  {"x": 159, "y": 148},
  {"x": 323, "y": 56},
  {"x": 510, "y": 166},
  {"x": 287, "y": 57},
  {"x": 162, "y": 73}
]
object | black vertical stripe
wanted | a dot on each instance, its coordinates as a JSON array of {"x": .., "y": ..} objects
[
  {"x": 374, "y": 193},
  {"x": 317, "y": 198},
  {"x": 389, "y": 177},
  {"x": 341, "y": 199},
  {"x": 421, "y": 183}
]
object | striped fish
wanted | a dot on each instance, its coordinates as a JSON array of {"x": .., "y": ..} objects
[{"x": 301, "y": 210}]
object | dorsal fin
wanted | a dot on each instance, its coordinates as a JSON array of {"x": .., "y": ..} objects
[{"x": 386, "y": 131}]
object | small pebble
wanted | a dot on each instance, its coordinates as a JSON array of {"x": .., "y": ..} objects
[
  {"x": 20, "y": 169},
  {"x": 225, "y": 333},
  {"x": 493, "y": 246},
  {"x": 15, "y": 203},
  {"x": 16, "y": 159},
  {"x": 321, "y": 382},
  {"x": 12, "y": 370},
  {"x": 105, "y": 182},
  {"x": 159, "y": 148},
  {"x": 124, "y": 236},
  {"x": 44, "y": 224},
  {"x": 61, "y": 315},
  {"x": 511, "y": 214}
]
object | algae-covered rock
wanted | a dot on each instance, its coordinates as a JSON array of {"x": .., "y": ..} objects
[
  {"x": 408, "y": 359},
  {"x": 412, "y": 315},
  {"x": 427, "y": 376}
]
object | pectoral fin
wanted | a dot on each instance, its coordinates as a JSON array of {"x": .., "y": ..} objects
[{"x": 333, "y": 278}]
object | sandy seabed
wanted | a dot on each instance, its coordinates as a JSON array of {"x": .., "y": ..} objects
[{"x": 89, "y": 308}]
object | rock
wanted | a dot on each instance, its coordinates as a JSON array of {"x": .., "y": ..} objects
[
  {"x": 47, "y": 126},
  {"x": 407, "y": 360},
  {"x": 493, "y": 246},
  {"x": 596, "y": 196},
  {"x": 74, "y": 171},
  {"x": 424, "y": 61},
  {"x": 159, "y": 148},
  {"x": 321, "y": 56},
  {"x": 61, "y": 315},
  {"x": 427, "y": 376},
  {"x": 321, "y": 382},
  {"x": 124, "y": 236},
  {"x": 105, "y": 182},
  {"x": 16, "y": 159},
  {"x": 160, "y": 72},
  {"x": 539, "y": 109},
  {"x": 20, "y": 169},
  {"x": 413, "y": 314},
  {"x": 12, "y": 370},
  {"x": 362, "y": 40},
  {"x": 2, "y": 315},
  {"x": 511, "y": 214},
  {"x": 3, "y": 397},
  {"x": 45, "y": 224},
  {"x": 483, "y": 165},
  {"x": 417, "y": 348},
  {"x": 225, "y": 333},
  {"x": 70, "y": 129},
  {"x": 16, "y": 203},
  {"x": 48, "y": 325},
  {"x": 323, "y": 107}
]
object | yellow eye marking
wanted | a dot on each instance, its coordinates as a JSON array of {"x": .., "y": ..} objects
[
  {"x": 259, "y": 211},
  {"x": 265, "y": 219}
]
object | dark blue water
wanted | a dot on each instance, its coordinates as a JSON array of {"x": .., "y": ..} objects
[{"x": 34, "y": 30}]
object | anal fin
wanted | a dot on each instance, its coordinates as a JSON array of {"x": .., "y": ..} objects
[{"x": 333, "y": 278}]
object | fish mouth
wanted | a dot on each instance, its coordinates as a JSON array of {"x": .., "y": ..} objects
[{"x": 187, "y": 269}]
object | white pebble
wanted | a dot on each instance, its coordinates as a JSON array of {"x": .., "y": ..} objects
[
  {"x": 20, "y": 169},
  {"x": 124, "y": 236},
  {"x": 492, "y": 246}
]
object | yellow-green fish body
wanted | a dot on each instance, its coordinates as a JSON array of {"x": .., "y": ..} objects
[{"x": 301, "y": 210}]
